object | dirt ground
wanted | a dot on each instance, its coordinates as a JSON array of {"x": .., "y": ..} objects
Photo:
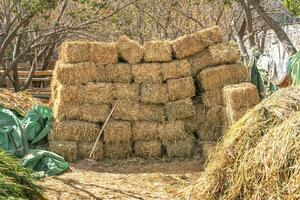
[{"x": 126, "y": 179}]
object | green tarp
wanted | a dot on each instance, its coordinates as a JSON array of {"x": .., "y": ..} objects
[
  {"x": 20, "y": 137},
  {"x": 294, "y": 69}
]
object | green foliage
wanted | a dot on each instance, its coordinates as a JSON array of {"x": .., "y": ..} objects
[
  {"x": 293, "y": 6},
  {"x": 36, "y": 6}
]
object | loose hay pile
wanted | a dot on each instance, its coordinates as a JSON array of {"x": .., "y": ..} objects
[
  {"x": 161, "y": 112},
  {"x": 258, "y": 158}
]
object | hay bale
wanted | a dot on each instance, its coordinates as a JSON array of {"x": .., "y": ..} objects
[
  {"x": 206, "y": 149},
  {"x": 66, "y": 149},
  {"x": 224, "y": 53},
  {"x": 233, "y": 115},
  {"x": 243, "y": 95},
  {"x": 151, "y": 112},
  {"x": 176, "y": 69},
  {"x": 65, "y": 110},
  {"x": 94, "y": 113},
  {"x": 117, "y": 132},
  {"x": 157, "y": 51},
  {"x": 75, "y": 52},
  {"x": 84, "y": 150},
  {"x": 180, "y": 109},
  {"x": 130, "y": 50},
  {"x": 181, "y": 88},
  {"x": 148, "y": 149},
  {"x": 103, "y": 53},
  {"x": 192, "y": 124},
  {"x": 125, "y": 91},
  {"x": 117, "y": 150},
  {"x": 209, "y": 132},
  {"x": 212, "y": 98},
  {"x": 145, "y": 131},
  {"x": 215, "y": 115},
  {"x": 147, "y": 73},
  {"x": 218, "y": 77},
  {"x": 73, "y": 130},
  {"x": 181, "y": 148},
  {"x": 199, "y": 61},
  {"x": 172, "y": 131},
  {"x": 119, "y": 73},
  {"x": 154, "y": 93},
  {"x": 98, "y": 93},
  {"x": 126, "y": 110},
  {"x": 69, "y": 94},
  {"x": 192, "y": 43}
]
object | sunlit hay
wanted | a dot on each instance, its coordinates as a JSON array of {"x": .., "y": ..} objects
[
  {"x": 117, "y": 132},
  {"x": 118, "y": 150},
  {"x": 181, "y": 88},
  {"x": 85, "y": 148},
  {"x": 224, "y": 53},
  {"x": 243, "y": 163},
  {"x": 180, "y": 109},
  {"x": 172, "y": 131},
  {"x": 154, "y": 93},
  {"x": 148, "y": 149},
  {"x": 66, "y": 149},
  {"x": 75, "y": 52},
  {"x": 126, "y": 110},
  {"x": 97, "y": 93},
  {"x": 151, "y": 112},
  {"x": 218, "y": 77},
  {"x": 243, "y": 95},
  {"x": 212, "y": 98},
  {"x": 192, "y": 43},
  {"x": 145, "y": 131},
  {"x": 192, "y": 124},
  {"x": 125, "y": 91},
  {"x": 233, "y": 115},
  {"x": 119, "y": 73},
  {"x": 129, "y": 50},
  {"x": 78, "y": 131},
  {"x": 147, "y": 73},
  {"x": 65, "y": 110},
  {"x": 199, "y": 61},
  {"x": 175, "y": 69},
  {"x": 103, "y": 53},
  {"x": 206, "y": 148},
  {"x": 215, "y": 115},
  {"x": 69, "y": 93},
  {"x": 94, "y": 113},
  {"x": 157, "y": 51},
  {"x": 181, "y": 148}
]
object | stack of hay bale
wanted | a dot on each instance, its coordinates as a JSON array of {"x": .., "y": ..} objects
[{"x": 160, "y": 111}]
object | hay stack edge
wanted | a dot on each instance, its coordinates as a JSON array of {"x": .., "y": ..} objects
[{"x": 170, "y": 96}]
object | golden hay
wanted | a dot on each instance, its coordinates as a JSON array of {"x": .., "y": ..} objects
[
  {"x": 181, "y": 88},
  {"x": 218, "y": 77},
  {"x": 243, "y": 95},
  {"x": 233, "y": 115},
  {"x": 130, "y": 50},
  {"x": 192, "y": 124},
  {"x": 215, "y": 115},
  {"x": 145, "y": 131},
  {"x": 209, "y": 132},
  {"x": 119, "y": 73},
  {"x": 181, "y": 148},
  {"x": 126, "y": 110},
  {"x": 199, "y": 61},
  {"x": 154, "y": 93},
  {"x": 98, "y": 93},
  {"x": 158, "y": 51},
  {"x": 103, "y": 53},
  {"x": 94, "y": 113},
  {"x": 151, "y": 112},
  {"x": 84, "y": 150},
  {"x": 65, "y": 111},
  {"x": 190, "y": 44},
  {"x": 224, "y": 53},
  {"x": 75, "y": 52},
  {"x": 258, "y": 152},
  {"x": 172, "y": 131},
  {"x": 206, "y": 148},
  {"x": 69, "y": 94},
  {"x": 117, "y": 132},
  {"x": 180, "y": 109},
  {"x": 212, "y": 98},
  {"x": 117, "y": 150},
  {"x": 147, "y": 73},
  {"x": 66, "y": 149},
  {"x": 176, "y": 69},
  {"x": 77, "y": 131},
  {"x": 148, "y": 149},
  {"x": 124, "y": 91}
]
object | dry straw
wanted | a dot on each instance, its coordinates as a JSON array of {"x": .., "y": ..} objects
[
  {"x": 192, "y": 124},
  {"x": 103, "y": 53},
  {"x": 180, "y": 109},
  {"x": 257, "y": 153},
  {"x": 209, "y": 132},
  {"x": 224, "y": 53},
  {"x": 212, "y": 98},
  {"x": 94, "y": 113},
  {"x": 152, "y": 112},
  {"x": 176, "y": 69},
  {"x": 181, "y": 148},
  {"x": 74, "y": 52},
  {"x": 130, "y": 50},
  {"x": 145, "y": 131},
  {"x": 119, "y": 73},
  {"x": 215, "y": 115},
  {"x": 125, "y": 91},
  {"x": 233, "y": 115},
  {"x": 199, "y": 61},
  {"x": 117, "y": 150},
  {"x": 181, "y": 88},
  {"x": 172, "y": 131},
  {"x": 148, "y": 149},
  {"x": 126, "y": 110},
  {"x": 66, "y": 149},
  {"x": 147, "y": 73},
  {"x": 157, "y": 51},
  {"x": 85, "y": 148},
  {"x": 97, "y": 93},
  {"x": 154, "y": 93},
  {"x": 117, "y": 132},
  {"x": 65, "y": 111}
]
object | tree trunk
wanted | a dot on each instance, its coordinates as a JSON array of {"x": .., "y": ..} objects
[{"x": 281, "y": 34}]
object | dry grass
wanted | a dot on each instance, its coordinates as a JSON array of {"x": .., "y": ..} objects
[
  {"x": 212, "y": 98},
  {"x": 65, "y": 111},
  {"x": 181, "y": 88},
  {"x": 215, "y": 115},
  {"x": 129, "y": 50},
  {"x": 192, "y": 124},
  {"x": 119, "y": 73},
  {"x": 224, "y": 53},
  {"x": 97, "y": 93},
  {"x": 117, "y": 132},
  {"x": 172, "y": 131},
  {"x": 66, "y": 149},
  {"x": 180, "y": 109},
  {"x": 181, "y": 148},
  {"x": 158, "y": 51},
  {"x": 75, "y": 52},
  {"x": 147, "y": 73},
  {"x": 152, "y": 112},
  {"x": 206, "y": 148},
  {"x": 148, "y": 149},
  {"x": 126, "y": 110},
  {"x": 85, "y": 148},
  {"x": 94, "y": 113},
  {"x": 154, "y": 93},
  {"x": 69, "y": 93},
  {"x": 125, "y": 91},
  {"x": 103, "y": 53},
  {"x": 233, "y": 115},
  {"x": 176, "y": 69},
  {"x": 145, "y": 131},
  {"x": 117, "y": 150},
  {"x": 209, "y": 132},
  {"x": 199, "y": 61}
]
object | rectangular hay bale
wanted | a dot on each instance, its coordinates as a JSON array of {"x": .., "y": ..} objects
[
  {"x": 172, "y": 131},
  {"x": 209, "y": 132},
  {"x": 157, "y": 51},
  {"x": 181, "y": 88},
  {"x": 75, "y": 52},
  {"x": 233, "y": 115},
  {"x": 224, "y": 53},
  {"x": 84, "y": 150},
  {"x": 129, "y": 50},
  {"x": 125, "y": 91},
  {"x": 126, "y": 110},
  {"x": 117, "y": 132},
  {"x": 103, "y": 53},
  {"x": 151, "y": 112},
  {"x": 65, "y": 110},
  {"x": 145, "y": 131},
  {"x": 117, "y": 150},
  {"x": 98, "y": 93},
  {"x": 212, "y": 98},
  {"x": 192, "y": 124},
  {"x": 69, "y": 94},
  {"x": 94, "y": 113},
  {"x": 66, "y": 149},
  {"x": 119, "y": 73},
  {"x": 147, "y": 73},
  {"x": 207, "y": 148},
  {"x": 180, "y": 109},
  {"x": 154, "y": 93},
  {"x": 148, "y": 149},
  {"x": 181, "y": 148},
  {"x": 215, "y": 115},
  {"x": 199, "y": 61},
  {"x": 176, "y": 69}
]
